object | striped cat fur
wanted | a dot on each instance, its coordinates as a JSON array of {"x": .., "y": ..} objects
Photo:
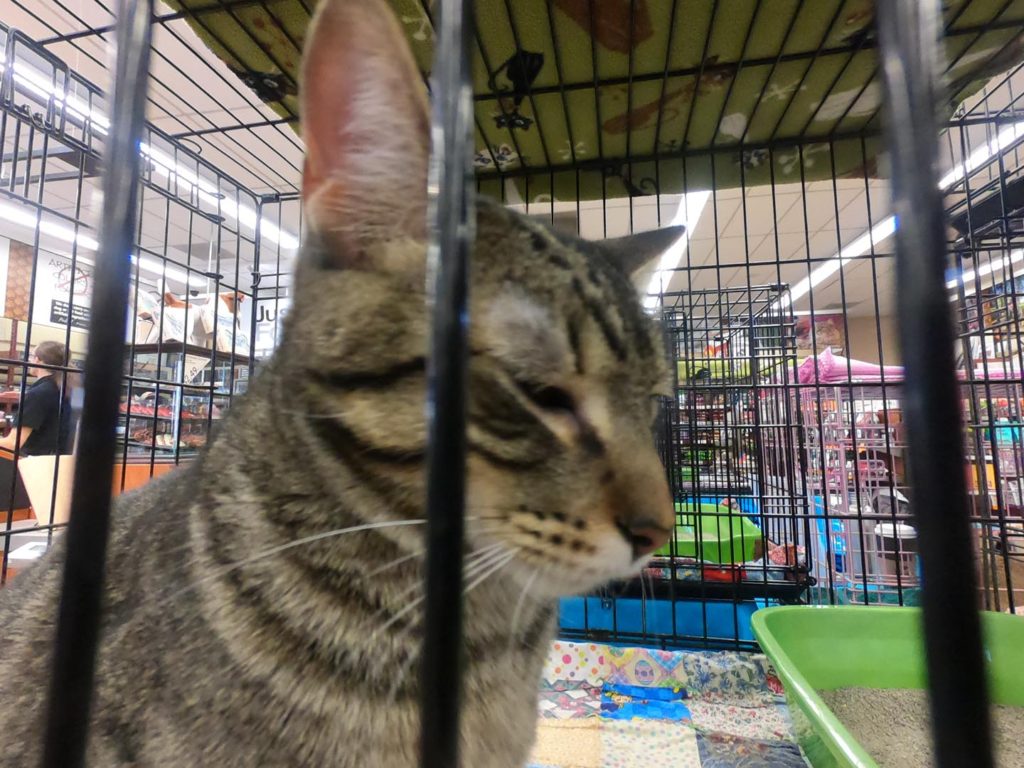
[{"x": 262, "y": 605}]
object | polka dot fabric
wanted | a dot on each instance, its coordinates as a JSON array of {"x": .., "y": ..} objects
[{"x": 576, "y": 663}]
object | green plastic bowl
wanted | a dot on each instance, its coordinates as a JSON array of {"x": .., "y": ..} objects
[
  {"x": 725, "y": 536},
  {"x": 824, "y": 647}
]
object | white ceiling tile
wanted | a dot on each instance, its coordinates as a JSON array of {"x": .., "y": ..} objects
[
  {"x": 720, "y": 211},
  {"x": 698, "y": 252},
  {"x": 762, "y": 211}
]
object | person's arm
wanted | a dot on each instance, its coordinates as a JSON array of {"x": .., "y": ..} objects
[
  {"x": 37, "y": 406},
  {"x": 10, "y": 442}
]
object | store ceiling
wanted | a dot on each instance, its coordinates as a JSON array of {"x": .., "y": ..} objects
[
  {"x": 191, "y": 90},
  {"x": 776, "y": 230}
]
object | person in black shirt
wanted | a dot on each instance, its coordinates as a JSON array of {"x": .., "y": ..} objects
[{"x": 44, "y": 418}]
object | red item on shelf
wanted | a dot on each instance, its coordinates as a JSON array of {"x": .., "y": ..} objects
[{"x": 724, "y": 573}]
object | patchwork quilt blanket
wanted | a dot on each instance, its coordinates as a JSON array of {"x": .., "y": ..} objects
[{"x": 604, "y": 706}]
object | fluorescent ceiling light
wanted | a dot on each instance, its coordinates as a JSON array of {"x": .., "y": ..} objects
[
  {"x": 1004, "y": 139},
  {"x": 28, "y": 218},
  {"x": 165, "y": 166},
  {"x": 885, "y": 228},
  {"x": 969, "y": 276},
  {"x": 41, "y": 85},
  {"x": 691, "y": 205},
  {"x": 162, "y": 269},
  {"x": 983, "y": 154},
  {"x": 862, "y": 245},
  {"x": 37, "y": 82}
]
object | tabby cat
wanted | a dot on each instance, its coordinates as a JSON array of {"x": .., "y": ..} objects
[{"x": 263, "y": 604}]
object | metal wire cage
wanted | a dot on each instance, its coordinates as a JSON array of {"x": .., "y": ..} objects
[
  {"x": 198, "y": 236},
  {"x": 805, "y": 474}
]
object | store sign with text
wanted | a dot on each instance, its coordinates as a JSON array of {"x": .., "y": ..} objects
[
  {"x": 194, "y": 366},
  {"x": 62, "y": 292},
  {"x": 269, "y": 315}
]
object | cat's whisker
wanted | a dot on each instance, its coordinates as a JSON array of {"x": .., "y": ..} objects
[
  {"x": 219, "y": 572},
  {"x": 517, "y": 612},
  {"x": 484, "y": 567},
  {"x": 470, "y": 562},
  {"x": 486, "y": 529},
  {"x": 474, "y": 559},
  {"x": 401, "y": 677},
  {"x": 412, "y": 605},
  {"x": 490, "y": 566},
  {"x": 395, "y": 563},
  {"x": 309, "y": 414},
  {"x": 504, "y": 560},
  {"x": 318, "y": 537},
  {"x": 420, "y": 553},
  {"x": 483, "y": 560}
]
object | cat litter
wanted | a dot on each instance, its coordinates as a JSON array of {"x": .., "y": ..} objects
[{"x": 892, "y": 725}]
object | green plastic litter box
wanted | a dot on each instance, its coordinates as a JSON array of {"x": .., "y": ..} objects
[
  {"x": 825, "y": 647},
  {"x": 726, "y": 536}
]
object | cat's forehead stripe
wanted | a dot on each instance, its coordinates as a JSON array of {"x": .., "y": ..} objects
[
  {"x": 543, "y": 239},
  {"x": 574, "y": 343},
  {"x": 558, "y": 260},
  {"x": 599, "y": 313},
  {"x": 558, "y": 249},
  {"x": 619, "y": 301},
  {"x": 606, "y": 295}
]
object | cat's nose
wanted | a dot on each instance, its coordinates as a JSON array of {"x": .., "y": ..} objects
[{"x": 644, "y": 536}]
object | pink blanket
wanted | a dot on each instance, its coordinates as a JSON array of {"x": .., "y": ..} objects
[{"x": 836, "y": 369}]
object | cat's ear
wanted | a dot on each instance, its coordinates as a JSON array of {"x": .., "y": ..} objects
[
  {"x": 366, "y": 126},
  {"x": 637, "y": 255}
]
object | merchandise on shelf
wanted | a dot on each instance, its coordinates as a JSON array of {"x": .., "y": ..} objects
[
  {"x": 203, "y": 321},
  {"x": 174, "y": 394}
]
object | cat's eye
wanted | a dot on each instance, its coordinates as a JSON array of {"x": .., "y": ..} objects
[{"x": 551, "y": 399}]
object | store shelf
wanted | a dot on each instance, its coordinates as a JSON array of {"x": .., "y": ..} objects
[
  {"x": 168, "y": 386},
  {"x": 184, "y": 417},
  {"x": 176, "y": 347},
  {"x": 178, "y": 419},
  {"x": 168, "y": 448},
  {"x": 789, "y": 590}
]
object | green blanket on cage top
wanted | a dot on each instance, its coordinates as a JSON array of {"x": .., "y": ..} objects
[
  {"x": 712, "y": 370},
  {"x": 713, "y": 533},
  {"x": 672, "y": 74}
]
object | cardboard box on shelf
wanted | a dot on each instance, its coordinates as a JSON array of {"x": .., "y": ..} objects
[
  {"x": 144, "y": 328},
  {"x": 173, "y": 327},
  {"x": 202, "y": 320},
  {"x": 218, "y": 324}
]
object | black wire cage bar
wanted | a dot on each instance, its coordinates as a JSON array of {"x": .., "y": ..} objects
[
  {"x": 452, "y": 230},
  {"x": 78, "y": 624},
  {"x": 205, "y": 231},
  {"x": 909, "y": 36},
  {"x": 908, "y": 46}
]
